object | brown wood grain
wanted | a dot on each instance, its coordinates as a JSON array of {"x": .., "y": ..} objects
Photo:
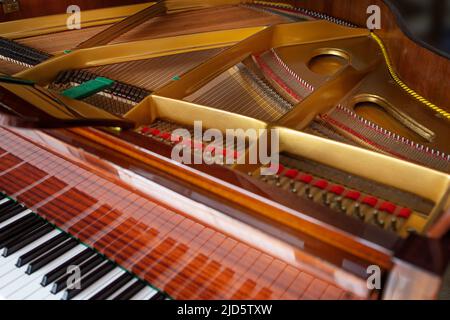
[{"x": 37, "y": 8}]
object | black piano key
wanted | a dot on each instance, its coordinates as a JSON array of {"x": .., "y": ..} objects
[
  {"x": 88, "y": 280},
  {"x": 62, "y": 269},
  {"x": 2, "y": 196},
  {"x": 113, "y": 287},
  {"x": 18, "y": 226},
  {"x": 131, "y": 291},
  {"x": 11, "y": 205},
  {"x": 40, "y": 250},
  {"x": 11, "y": 212},
  {"x": 158, "y": 296},
  {"x": 50, "y": 256},
  {"x": 33, "y": 225},
  {"x": 6, "y": 205},
  {"x": 87, "y": 266},
  {"x": 27, "y": 239},
  {"x": 15, "y": 223}
]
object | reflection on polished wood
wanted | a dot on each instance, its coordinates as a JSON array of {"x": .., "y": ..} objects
[{"x": 148, "y": 238}]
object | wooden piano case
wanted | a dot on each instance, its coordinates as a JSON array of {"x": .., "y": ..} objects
[{"x": 364, "y": 167}]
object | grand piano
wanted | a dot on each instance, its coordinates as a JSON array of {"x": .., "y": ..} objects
[{"x": 94, "y": 205}]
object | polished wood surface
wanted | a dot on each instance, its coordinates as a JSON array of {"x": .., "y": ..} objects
[
  {"x": 203, "y": 20},
  {"x": 353, "y": 241},
  {"x": 60, "y": 41},
  {"x": 38, "y": 8},
  {"x": 148, "y": 238}
]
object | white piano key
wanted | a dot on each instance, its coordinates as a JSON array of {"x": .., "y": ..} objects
[
  {"x": 125, "y": 287},
  {"x": 24, "y": 286},
  {"x": 10, "y": 275},
  {"x": 100, "y": 284},
  {"x": 27, "y": 286},
  {"x": 4, "y": 200},
  {"x": 145, "y": 294},
  {"x": 30, "y": 286},
  {"x": 12, "y": 259}
]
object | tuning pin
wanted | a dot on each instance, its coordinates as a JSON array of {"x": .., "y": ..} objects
[
  {"x": 386, "y": 209},
  {"x": 302, "y": 181},
  {"x": 325, "y": 199},
  {"x": 337, "y": 203},
  {"x": 358, "y": 212},
  {"x": 281, "y": 168},
  {"x": 275, "y": 179},
  {"x": 377, "y": 219},
  {"x": 350, "y": 197},
  {"x": 292, "y": 186},
  {"x": 335, "y": 192},
  {"x": 394, "y": 224},
  {"x": 286, "y": 178},
  {"x": 291, "y": 174},
  {"x": 317, "y": 190},
  {"x": 308, "y": 192}
]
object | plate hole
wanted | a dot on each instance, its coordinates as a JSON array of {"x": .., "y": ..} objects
[
  {"x": 377, "y": 114},
  {"x": 326, "y": 64}
]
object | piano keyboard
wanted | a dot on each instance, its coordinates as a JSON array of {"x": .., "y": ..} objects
[
  {"x": 36, "y": 261},
  {"x": 146, "y": 237}
]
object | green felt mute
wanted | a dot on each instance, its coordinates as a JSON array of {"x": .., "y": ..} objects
[{"x": 88, "y": 88}]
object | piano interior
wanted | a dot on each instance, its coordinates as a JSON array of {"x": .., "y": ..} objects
[{"x": 362, "y": 177}]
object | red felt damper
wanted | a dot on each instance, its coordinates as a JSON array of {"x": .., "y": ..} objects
[
  {"x": 291, "y": 173},
  {"x": 166, "y": 136},
  {"x": 321, "y": 184},
  {"x": 337, "y": 189},
  {"x": 370, "y": 201},
  {"x": 404, "y": 213},
  {"x": 353, "y": 195},
  {"x": 305, "y": 178},
  {"x": 388, "y": 207},
  {"x": 154, "y": 131}
]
